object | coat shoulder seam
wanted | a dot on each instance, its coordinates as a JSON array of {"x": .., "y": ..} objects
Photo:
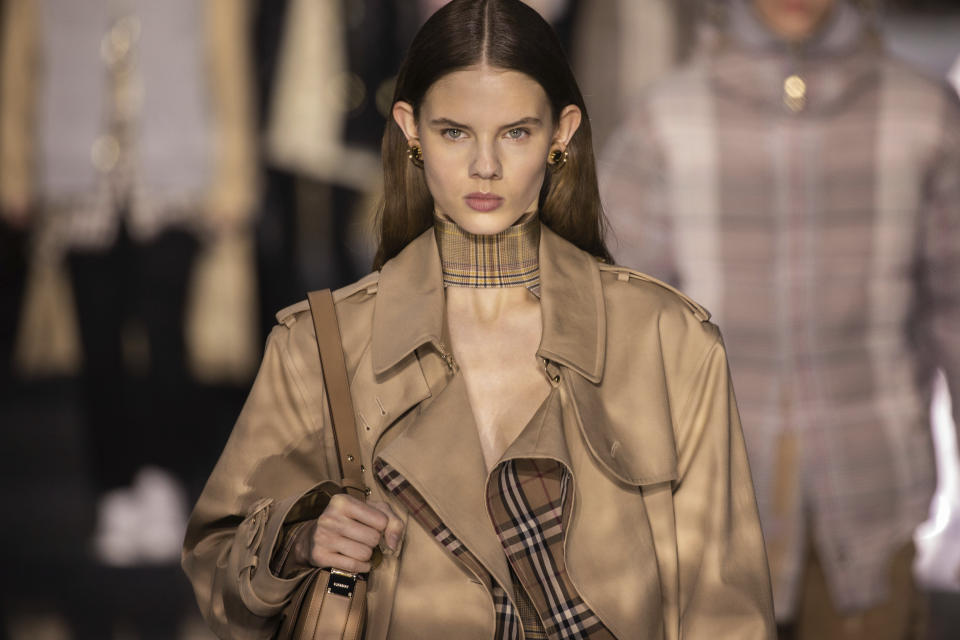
[{"x": 625, "y": 273}]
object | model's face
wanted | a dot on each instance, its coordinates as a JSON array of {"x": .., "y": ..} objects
[
  {"x": 485, "y": 135},
  {"x": 794, "y": 20}
]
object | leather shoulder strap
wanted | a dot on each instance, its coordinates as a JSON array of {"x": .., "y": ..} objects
[{"x": 338, "y": 390}]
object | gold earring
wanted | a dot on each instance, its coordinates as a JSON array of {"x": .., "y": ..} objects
[
  {"x": 415, "y": 153},
  {"x": 558, "y": 158}
]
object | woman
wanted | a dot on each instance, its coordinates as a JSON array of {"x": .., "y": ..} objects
[{"x": 551, "y": 442}]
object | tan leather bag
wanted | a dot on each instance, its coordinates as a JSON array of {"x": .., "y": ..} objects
[{"x": 331, "y": 604}]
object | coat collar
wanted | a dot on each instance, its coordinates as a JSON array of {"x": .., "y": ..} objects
[
  {"x": 410, "y": 305},
  {"x": 836, "y": 64}
]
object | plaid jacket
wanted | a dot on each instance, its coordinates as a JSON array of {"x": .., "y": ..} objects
[{"x": 823, "y": 232}]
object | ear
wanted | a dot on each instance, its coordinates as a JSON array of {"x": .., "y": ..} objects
[
  {"x": 567, "y": 125},
  {"x": 403, "y": 116}
]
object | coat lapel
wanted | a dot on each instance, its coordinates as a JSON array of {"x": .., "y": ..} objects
[
  {"x": 628, "y": 429},
  {"x": 574, "y": 323},
  {"x": 439, "y": 455},
  {"x": 410, "y": 303},
  {"x": 608, "y": 546}
]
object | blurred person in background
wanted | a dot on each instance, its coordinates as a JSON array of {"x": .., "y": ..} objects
[
  {"x": 620, "y": 46},
  {"x": 324, "y": 98},
  {"x": 13, "y": 241},
  {"x": 805, "y": 187},
  {"x": 955, "y": 75},
  {"x": 133, "y": 148}
]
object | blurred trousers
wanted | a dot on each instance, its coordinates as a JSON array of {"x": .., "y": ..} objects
[
  {"x": 13, "y": 275},
  {"x": 134, "y": 420},
  {"x": 902, "y": 616}
]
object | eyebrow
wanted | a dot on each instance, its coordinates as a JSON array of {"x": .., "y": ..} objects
[{"x": 447, "y": 122}]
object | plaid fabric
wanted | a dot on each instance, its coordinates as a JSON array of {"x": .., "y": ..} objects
[
  {"x": 506, "y": 259},
  {"x": 820, "y": 239},
  {"x": 527, "y": 500},
  {"x": 507, "y": 620},
  {"x": 529, "y": 618}
]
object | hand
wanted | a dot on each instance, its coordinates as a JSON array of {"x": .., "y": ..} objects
[{"x": 344, "y": 535}]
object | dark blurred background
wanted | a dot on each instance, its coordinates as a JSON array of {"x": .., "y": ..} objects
[{"x": 174, "y": 173}]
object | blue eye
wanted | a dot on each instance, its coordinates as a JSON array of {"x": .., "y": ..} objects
[
  {"x": 517, "y": 134},
  {"x": 453, "y": 134}
]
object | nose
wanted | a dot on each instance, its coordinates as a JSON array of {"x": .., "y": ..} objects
[{"x": 486, "y": 162}]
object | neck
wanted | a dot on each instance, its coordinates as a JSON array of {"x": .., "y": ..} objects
[{"x": 506, "y": 259}]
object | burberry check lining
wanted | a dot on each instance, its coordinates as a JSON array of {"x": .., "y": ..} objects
[
  {"x": 528, "y": 504},
  {"x": 506, "y": 259},
  {"x": 527, "y": 501}
]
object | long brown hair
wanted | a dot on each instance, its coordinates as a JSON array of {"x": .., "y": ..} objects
[{"x": 510, "y": 35}]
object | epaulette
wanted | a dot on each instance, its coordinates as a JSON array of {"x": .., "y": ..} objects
[
  {"x": 287, "y": 314},
  {"x": 367, "y": 284},
  {"x": 624, "y": 274}
]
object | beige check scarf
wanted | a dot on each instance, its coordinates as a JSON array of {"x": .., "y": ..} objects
[{"x": 506, "y": 259}]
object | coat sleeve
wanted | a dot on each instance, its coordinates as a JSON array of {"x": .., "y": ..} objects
[
  {"x": 724, "y": 581},
  {"x": 18, "y": 66},
  {"x": 273, "y": 473},
  {"x": 940, "y": 268}
]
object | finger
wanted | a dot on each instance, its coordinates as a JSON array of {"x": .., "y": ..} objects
[
  {"x": 352, "y": 549},
  {"x": 366, "y": 514},
  {"x": 393, "y": 533},
  {"x": 342, "y": 504},
  {"x": 343, "y": 526},
  {"x": 328, "y": 541}
]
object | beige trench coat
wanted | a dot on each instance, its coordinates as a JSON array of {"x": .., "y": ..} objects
[{"x": 663, "y": 540}]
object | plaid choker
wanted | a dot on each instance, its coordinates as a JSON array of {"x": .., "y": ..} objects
[{"x": 507, "y": 259}]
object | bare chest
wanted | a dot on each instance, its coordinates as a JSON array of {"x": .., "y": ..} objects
[{"x": 505, "y": 382}]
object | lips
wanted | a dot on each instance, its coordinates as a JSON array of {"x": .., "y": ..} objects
[{"x": 483, "y": 201}]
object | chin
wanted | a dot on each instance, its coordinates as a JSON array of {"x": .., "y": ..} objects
[
  {"x": 485, "y": 224},
  {"x": 798, "y": 30}
]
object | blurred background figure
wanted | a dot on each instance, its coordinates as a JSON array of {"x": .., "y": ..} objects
[
  {"x": 130, "y": 151},
  {"x": 620, "y": 46},
  {"x": 13, "y": 255},
  {"x": 128, "y": 147},
  {"x": 330, "y": 73},
  {"x": 805, "y": 187}
]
